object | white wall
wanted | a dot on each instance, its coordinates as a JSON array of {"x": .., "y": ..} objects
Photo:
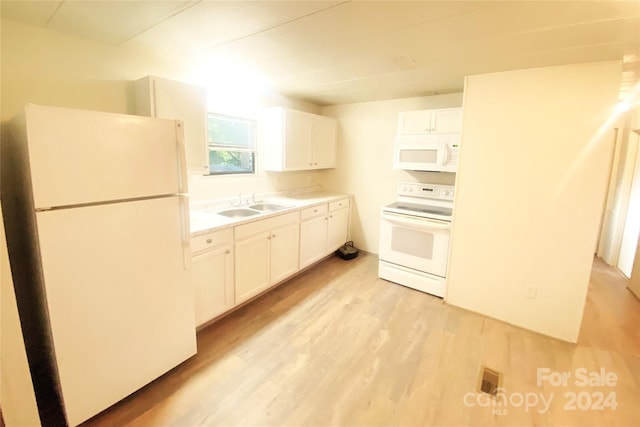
[
  {"x": 365, "y": 159},
  {"x": 530, "y": 192},
  {"x": 44, "y": 67}
]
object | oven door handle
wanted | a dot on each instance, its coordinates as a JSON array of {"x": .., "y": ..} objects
[{"x": 421, "y": 224}]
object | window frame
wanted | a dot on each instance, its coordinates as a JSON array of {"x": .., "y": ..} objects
[{"x": 251, "y": 147}]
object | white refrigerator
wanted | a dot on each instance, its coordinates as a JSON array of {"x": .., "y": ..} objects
[{"x": 97, "y": 228}]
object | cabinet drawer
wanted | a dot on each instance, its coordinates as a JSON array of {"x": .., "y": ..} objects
[
  {"x": 268, "y": 224},
  {"x": 313, "y": 212},
  {"x": 340, "y": 204},
  {"x": 211, "y": 240}
]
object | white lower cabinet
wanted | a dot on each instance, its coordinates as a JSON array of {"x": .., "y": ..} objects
[
  {"x": 338, "y": 225},
  {"x": 284, "y": 252},
  {"x": 233, "y": 265},
  {"x": 313, "y": 234},
  {"x": 323, "y": 229},
  {"x": 212, "y": 274},
  {"x": 266, "y": 253},
  {"x": 252, "y": 265}
]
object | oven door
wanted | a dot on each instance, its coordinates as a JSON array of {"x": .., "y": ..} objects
[{"x": 414, "y": 242}]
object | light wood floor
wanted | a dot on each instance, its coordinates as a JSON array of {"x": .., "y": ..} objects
[{"x": 336, "y": 346}]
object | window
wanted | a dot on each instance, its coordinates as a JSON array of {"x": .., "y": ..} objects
[{"x": 232, "y": 144}]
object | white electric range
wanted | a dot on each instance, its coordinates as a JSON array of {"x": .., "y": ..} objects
[{"x": 414, "y": 237}]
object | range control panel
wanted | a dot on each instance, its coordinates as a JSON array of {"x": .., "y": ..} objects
[{"x": 426, "y": 191}]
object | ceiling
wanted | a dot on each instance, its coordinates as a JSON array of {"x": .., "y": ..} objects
[{"x": 335, "y": 52}]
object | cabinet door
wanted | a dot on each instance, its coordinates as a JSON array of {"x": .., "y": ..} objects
[
  {"x": 212, "y": 280},
  {"x": 324, "y": 142},
  {"x": 177, "y": 100},
  {"x": 251, "y": 266},
  {"x": 414, "y": 122},
  {"x": 297, "y": 140},
  {"x": 446, "y": 121},
  {"x": 284, "y": 252},
  {"x": 313, "y": 240},
  {"x": 337, "y": 229}
]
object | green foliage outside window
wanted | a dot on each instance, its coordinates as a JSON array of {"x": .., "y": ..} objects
[{"x": 232, "y": 143}]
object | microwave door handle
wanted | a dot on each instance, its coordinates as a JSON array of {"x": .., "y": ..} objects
[{"x": 445, "y": 154}]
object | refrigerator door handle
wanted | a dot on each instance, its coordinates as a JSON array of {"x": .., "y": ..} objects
[
  {"x": 182, "y": 156},
  {"x": 186, "y": 232}
]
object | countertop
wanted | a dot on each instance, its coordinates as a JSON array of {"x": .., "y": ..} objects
[{"x": 203, "y": 218}]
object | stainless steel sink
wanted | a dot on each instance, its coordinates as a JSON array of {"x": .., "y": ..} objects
[
  {"x": 268, "y": 207},
  {"x": 238, "y": 212}
]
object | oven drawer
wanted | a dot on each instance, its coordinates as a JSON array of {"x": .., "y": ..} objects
[{"x": 413, "y": 279}]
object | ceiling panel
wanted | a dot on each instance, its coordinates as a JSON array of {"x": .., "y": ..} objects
[
  {"x": 355, "y": 21},
  {"x": 112, "y": 22},
  {"x": 213, "y": 23},
  {"x": 35, "y": 13},
  {"x": 331, "y": 52}
]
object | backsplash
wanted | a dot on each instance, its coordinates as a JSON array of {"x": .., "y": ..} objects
[{"x": 206, "y": 188}]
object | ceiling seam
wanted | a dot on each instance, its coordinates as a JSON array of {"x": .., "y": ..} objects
[
  {"x": 388, "y": 31},
  {"x": 574, "y": 25},
  {"x": 55, "y": 12},
  {"x": 388, "y": 73},
  {"x": 177, "y": 12},
  {"x": 271, "y": 27}
]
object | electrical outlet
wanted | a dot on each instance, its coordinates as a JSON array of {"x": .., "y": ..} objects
[{"x": 532, "y": 292}]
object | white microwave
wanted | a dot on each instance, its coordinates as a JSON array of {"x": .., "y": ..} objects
[{"x": 432, "y": 153}]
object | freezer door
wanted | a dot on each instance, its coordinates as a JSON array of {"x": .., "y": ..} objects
[
  {"x": 79, "y": 157},
  {"x": 119, "y": 299}
]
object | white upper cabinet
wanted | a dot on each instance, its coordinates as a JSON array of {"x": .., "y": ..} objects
[
  {"x": 168, "y": 99},
  {"x": 419, "y": 122},
  {"x": 289, "y": 150},
  {"x": 297, "y": 140},
  {"x": 323, "y": 142}
]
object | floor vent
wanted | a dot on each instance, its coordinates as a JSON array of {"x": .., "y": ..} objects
[{"x": 490, "y": 380}]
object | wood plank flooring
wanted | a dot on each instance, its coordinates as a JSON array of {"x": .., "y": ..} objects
[{"x": 336, "y": 346}]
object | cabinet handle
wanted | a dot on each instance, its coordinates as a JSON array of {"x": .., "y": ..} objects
[
  {"x": 269, "y": 238},
  {"x": 228, "y": 251},
  {"x": 209, "y": 240},
  {"x": 330, "y": 216},
  {"x": 273, "y": 236}
]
